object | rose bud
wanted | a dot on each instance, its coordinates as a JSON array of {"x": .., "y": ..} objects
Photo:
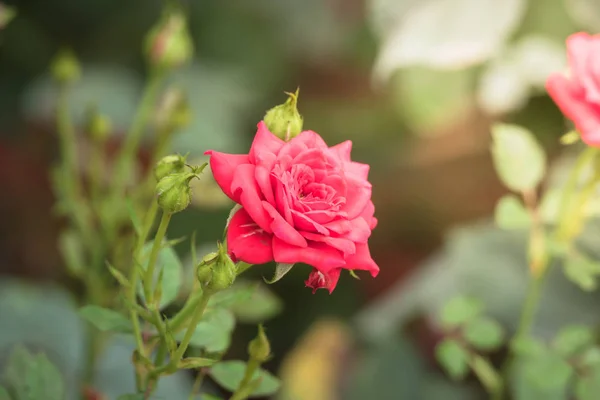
[
  {"x": 98, "y": 126},
  {"x": 171, "y": 164},
  {"x": 259, "y": 348},
  {"x": 284, "y": 120},
  {"x": 174, "y": 193},
  {"x": 223, "y": 271},
  {"x": 204, "y": 268},
  {"x": 65, "y": 67},
  {"x": 169, "y": 44}
]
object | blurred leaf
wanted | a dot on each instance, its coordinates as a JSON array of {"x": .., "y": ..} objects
[
  {"x": 239, "y": 292},
  {"x": 528, "y": 347},
  {"x": 572, "y": 339},
  {"x": 281, "y": 269},
  {"x": 484, "y": 333},
  {"x": 449, "y": 34},
  {"x": 587, "y": 387},
  {"x": 132, "y": 396},
  {"x": 229, "y": 374},
  {"x": 502, "y": 88},
  {"x": 210, "y": 397},
  {"x": 118, "y": 275},
  {"x": 170, "y": 267},
  {"x": 6, "y": 15},
  {"x": 429, "y": 99},
  {"x": 453, "y": 357},
  {"x": 33, "y": 377},
  {"x": 135, "y": 220},
  {"x": 105, "y": 319},
  {"x": 213, "y": 332},
  {"x": 550, "y": 205},
  {"x": 460, "y": 310},
  {"x": 548, "y": 371},
  {"x": 585, "y": 12},
  {"x": 510, "y": 213},
  {"x": 71, "y": 249},
  {"x": 519, "y": 159},
  {"x": 591, "y": 357},
  {"x": 4, "y": 394},
  {"x": 582, "y": 271},
  {"x": 262, "y": 305}
]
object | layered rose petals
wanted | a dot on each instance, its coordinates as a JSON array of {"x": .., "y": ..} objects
[
  {"x": 577, "y": 93},
  {"x": 302, "y": 202}
]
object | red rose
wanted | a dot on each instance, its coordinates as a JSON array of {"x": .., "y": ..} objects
[
  {"x": 577, "y": 93},
  {"x": 302, "y": 202}
]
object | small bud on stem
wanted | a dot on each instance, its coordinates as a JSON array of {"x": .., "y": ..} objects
[{"x": 284, "y": 120}]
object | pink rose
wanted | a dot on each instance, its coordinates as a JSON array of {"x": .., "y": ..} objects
[
  {"x": 302, "y": 202},
  {"x": 577, "y": 93}
]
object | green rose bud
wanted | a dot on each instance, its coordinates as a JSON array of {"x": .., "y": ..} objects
[
  {"x": 223, "y": 272},
  {"x": 98, "y": 126},
  {"x": 205, "y": 268},
  {"x": 169, "y": 44},
  {"x": 174, "y": 193},
  {"x": 259, "y": 348},
  {"x": 172, "y": 164},
  {"x": 284, "y": 120},
  {"x": 65, "y": 67}
]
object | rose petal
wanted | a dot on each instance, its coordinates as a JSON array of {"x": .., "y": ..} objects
[
  {"x": 265, "y": 147},
  {"x": 223, "y": 167},
  {"x": 319, "y": 255},
  {"x": 569, "y": 98},
  {"x": 305, "y": 223},
  {"x": 342, "y": 244},
  {"x": 360, "y": 260},
  {"x": 311, "y": 139},
  {"x": 359, "y": 231},
  {"x": 339, "y": 226},
  {"x": 247, "y": 241},
  {"x": 357, "y": 197},
  {"x": 342, "y": 150},
  {"x": 245, "y": 188},
  {"x": 282, "y": 229},
  {"x": 358, "y": 169},
  {"x": 319, "y": 280},
  {"x": 263, "y": 180}
]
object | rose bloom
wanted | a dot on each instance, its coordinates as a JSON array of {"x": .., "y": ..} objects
[
  {"x": 301, "y": 202},
  {"x": 577, "y": 93}
]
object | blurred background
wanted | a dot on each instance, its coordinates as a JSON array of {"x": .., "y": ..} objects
[{"x": 415, "y": 84}]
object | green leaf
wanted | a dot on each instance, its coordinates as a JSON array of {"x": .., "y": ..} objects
[
  {"x": 33, "y": 377},
  {"x": 528, "y": 347},
  {"x": 582, "y": 271},
  {"x": 239, "y": 292},
  {"x": 4, "y": 394},
  {"x": 195, "y": 362},
  {"x": 281, "y": 269},
  {"x": 548, "y": 371},
  {"x": 511, "y": 214},
  {"x": 572, "y": 339},
  {"x": 71, "y": 249},
  {"x": 7, "y": 14},
  {"x": 460, "y": 310},
  {"x": 229, "y": 374},
  {"x": 262, "y": 305},
  {"x": 519, "y": 159},
  {"x": 118, "y": 275},
  {"x": 591, "y": 357},
  {"x": 210, "y": 397},
  {"x": 170, "y": 267},
  {"x": 105, "y": 319},
  {"x": 453, "y": 357},
  {"x": 484, "y": 333},
  {"x": 213, "y": 332},
  {"x": 587, "y": 387}
]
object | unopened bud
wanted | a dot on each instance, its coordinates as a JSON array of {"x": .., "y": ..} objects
[
  {"x": 204, "y": 269},
  {"x": 174, "y": 193},
  {"x": 65, "y": 67},
  {"x": 284, "y": 120},
  {"x": 223, "y": 271},
  {"x": 259, "y": 348},
  {"x": 169, "y": 44},
  {"x": 98, "y": 126},
  {"x": 171, "y": 164}
]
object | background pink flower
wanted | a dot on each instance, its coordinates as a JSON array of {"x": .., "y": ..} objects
[
  {"x": 577, "y": 93},
  {"x": 302, "y": 201}
]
